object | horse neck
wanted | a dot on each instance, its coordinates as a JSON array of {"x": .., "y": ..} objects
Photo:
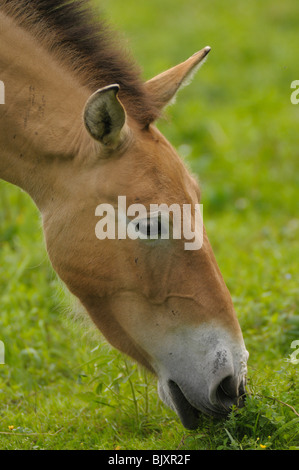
[{"x": 41, "y": 121}]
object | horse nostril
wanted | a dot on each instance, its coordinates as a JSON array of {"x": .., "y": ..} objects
[
  {"x": 230, "y": 392},
  {"x": 229, "y": 385}
]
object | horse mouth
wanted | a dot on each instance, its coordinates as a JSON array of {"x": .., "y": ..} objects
[{"x": 189, "y": 414}]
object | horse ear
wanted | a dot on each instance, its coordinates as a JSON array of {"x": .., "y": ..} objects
[
  {"x": 105, "y": 116},
  {"x": 164, "y": 86}
]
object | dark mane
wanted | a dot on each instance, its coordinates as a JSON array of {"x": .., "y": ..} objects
[{"x": 71, "y": 29}]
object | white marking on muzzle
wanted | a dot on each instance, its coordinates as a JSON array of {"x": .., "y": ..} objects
[{"x": 204, "y": 367}]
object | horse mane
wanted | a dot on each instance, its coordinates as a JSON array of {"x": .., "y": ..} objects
[{"x": 71, "y": 30}]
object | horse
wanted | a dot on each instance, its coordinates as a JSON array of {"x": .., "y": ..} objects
[{"x": 78, "y": 129}]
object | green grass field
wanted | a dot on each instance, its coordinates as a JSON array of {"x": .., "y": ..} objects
[{"x": 62, "y": 386}]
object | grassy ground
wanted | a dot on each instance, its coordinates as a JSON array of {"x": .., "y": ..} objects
[{"x": 64, "y": 388}]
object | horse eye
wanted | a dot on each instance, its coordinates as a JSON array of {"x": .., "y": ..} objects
[{"x": 150, "y": 227}]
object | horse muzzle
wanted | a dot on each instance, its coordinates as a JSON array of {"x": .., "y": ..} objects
[{"x": 213, "y": 383}]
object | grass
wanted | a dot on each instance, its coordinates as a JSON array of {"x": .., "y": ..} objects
[{"x": 63, "y": 387}]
